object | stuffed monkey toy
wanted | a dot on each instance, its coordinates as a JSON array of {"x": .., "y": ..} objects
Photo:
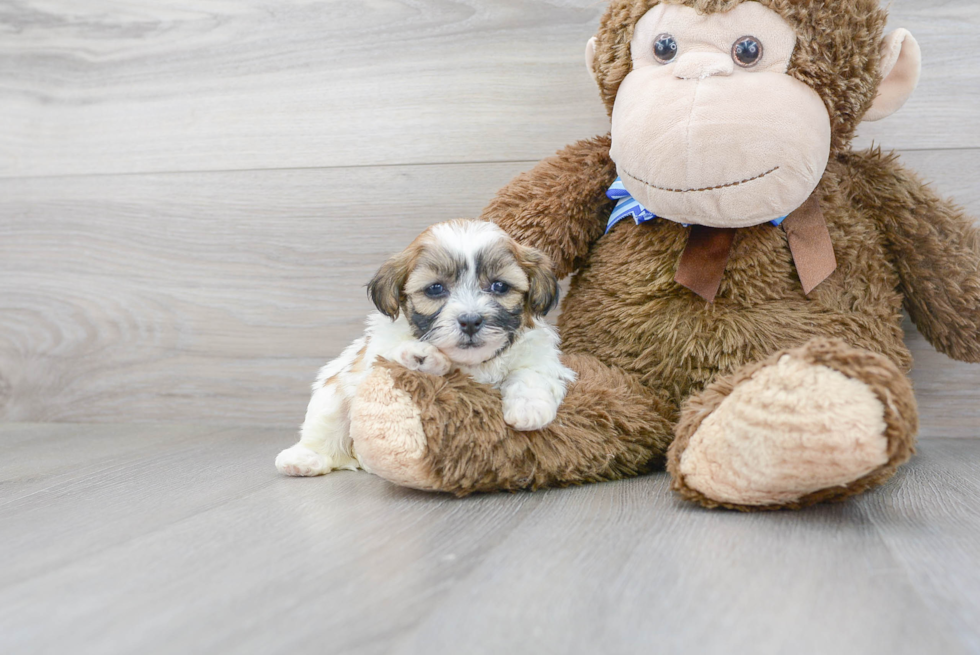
[{"x": 739, "y": 271}]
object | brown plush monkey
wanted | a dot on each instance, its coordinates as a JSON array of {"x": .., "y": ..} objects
[{"x": 736, "y": 305}]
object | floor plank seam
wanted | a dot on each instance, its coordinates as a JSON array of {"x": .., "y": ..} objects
[{"x": 275, "y": 169}]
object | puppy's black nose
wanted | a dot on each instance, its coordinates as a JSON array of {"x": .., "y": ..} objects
[{"x": 470, "y": 324}]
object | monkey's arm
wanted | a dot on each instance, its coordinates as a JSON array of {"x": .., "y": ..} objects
[
  {"x": 935, "y": 248},
  {"x": 559, "y": 206}
]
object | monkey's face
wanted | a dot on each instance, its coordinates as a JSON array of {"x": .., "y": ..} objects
[{"x": 708, "y": 128}]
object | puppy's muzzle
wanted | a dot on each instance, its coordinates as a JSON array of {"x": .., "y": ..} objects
[{"x": 470, "y": 324}]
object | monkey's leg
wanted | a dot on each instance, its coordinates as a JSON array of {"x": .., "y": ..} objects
[
  {"x": 448, "y": 433},
  {"x": 818, "y": 423}
]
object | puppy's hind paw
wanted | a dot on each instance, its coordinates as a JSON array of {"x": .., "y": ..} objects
[
  {"x": 422, "y": 357},
  {"x": 529, "y": 413},
  {"x": 300, "y": 461}
]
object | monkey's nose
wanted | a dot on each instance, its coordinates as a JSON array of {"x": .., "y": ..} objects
[
  {"x": 470, "y": 324},
  {"x": 700, "y": 65}
]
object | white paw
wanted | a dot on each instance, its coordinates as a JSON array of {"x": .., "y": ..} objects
[
  {"x": 422, "y": 357},
  {"x": 300, "y": 461},
  {"x": 530, "y": 412}
]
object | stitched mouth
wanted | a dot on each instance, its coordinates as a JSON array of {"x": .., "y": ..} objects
[{"x": 707, "y": 188}]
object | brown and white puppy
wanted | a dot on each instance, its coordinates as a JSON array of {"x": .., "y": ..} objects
[{"x": 465, "y": 296}]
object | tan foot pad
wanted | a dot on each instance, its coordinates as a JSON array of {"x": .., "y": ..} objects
[{"x": 793, "y": 429}]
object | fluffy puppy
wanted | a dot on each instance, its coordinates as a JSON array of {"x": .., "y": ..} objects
[{"x": 465, "y": 296}]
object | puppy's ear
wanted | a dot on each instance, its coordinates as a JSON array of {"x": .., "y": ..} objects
[
  {"x": 543, "y": 290},
  {"x": 386, "y": 288}
]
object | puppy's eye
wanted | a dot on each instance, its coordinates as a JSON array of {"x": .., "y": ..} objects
[
  {"x": 499, "y": 287},
  {"x": 435, "y": 290}
]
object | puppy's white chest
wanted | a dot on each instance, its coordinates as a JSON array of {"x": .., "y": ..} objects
[{"x": 491, "y": 373}]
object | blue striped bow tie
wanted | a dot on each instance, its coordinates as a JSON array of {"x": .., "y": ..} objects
[{"x": 627, "y": 205}]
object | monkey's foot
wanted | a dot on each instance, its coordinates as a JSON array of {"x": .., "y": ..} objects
[{"x": 818, "y": 423}]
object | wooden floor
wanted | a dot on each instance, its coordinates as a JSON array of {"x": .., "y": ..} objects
[{"x": 177, "y": 539}]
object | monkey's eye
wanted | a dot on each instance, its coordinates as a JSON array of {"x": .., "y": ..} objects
[
  {"x": 499, "y": 287},
  {"x": 435, "y": 290},
  {"x": 747, "y": 51},
  {"x": 665, "y": 48}
]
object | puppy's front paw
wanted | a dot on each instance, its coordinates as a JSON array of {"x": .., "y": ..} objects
[
  {"x": 529, "y": 412},
  {"x": 422, "y": 357},
  {"x": 300, "y": 461}
]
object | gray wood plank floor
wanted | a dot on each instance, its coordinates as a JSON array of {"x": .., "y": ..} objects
[{"x": 179, "y": 539}]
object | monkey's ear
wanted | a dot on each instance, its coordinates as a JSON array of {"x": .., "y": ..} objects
[
  {"x": 385, "y": 289},
  {"x": 590, "y": 58},
  {"x": 901, "y": 65}
]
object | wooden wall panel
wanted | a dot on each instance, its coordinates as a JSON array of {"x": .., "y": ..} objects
[
  {"x": 214, "y": 297},
  {"x": 192, "y": 195},
  {"x": 107, "y": 86}
]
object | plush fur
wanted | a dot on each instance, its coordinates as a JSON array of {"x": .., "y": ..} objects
[
  {"x": 654, "y": 360},
  {"x": 470, "y": 449},
  {"x": 879, "y": 376}
]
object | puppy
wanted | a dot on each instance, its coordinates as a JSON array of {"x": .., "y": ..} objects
[{"x": 465, "y": 296}]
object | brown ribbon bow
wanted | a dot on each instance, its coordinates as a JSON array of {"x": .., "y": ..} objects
[{"x": 703, "y": 263}]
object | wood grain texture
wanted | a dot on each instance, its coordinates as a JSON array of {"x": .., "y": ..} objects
[
  {"x": 928, "y": 525},
  {"x": 216, "y": 296},
  {"x": 194, "y": 544},
  {"x": 111, "y": 86},
  {"x": 223, "y": 84},
  {"x": 200, "y": 296}
]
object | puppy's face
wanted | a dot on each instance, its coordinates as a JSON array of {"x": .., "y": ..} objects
[{"x": 467, "y": 288}]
